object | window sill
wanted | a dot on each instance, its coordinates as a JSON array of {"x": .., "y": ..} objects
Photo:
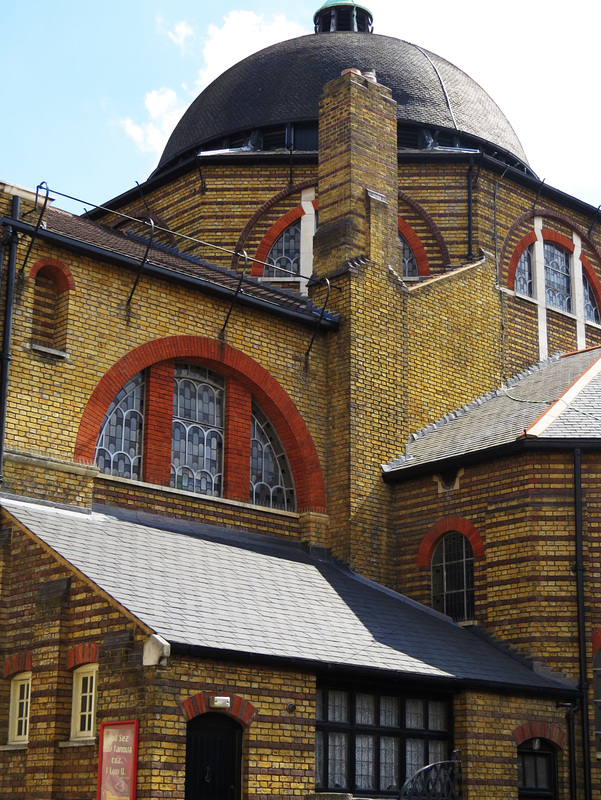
[
  {"x": 49, "y": 351},
  {"x": 19, "y": 746},
  {"x": 78, "y": 743}
]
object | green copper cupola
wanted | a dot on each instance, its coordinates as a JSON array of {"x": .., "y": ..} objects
[{"x": 343, "y": 16}]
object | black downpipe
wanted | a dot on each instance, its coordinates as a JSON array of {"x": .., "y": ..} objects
[
  {"x": 470, "y": 211},
  {"x": 586, "y": 745},
  {"x": 13, "y": 239},
  {"x": 573, "y": 708}
]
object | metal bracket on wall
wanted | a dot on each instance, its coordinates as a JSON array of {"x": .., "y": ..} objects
[
  {"x": 236, "y": 293},
  {"x": 143, "y": 261}
]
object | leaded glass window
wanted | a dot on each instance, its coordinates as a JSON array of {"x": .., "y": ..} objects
[
  {"x": 271, "y": 482},
  {"x": 409, "y": 261},
  {"x": 119, "y": 445},
  {"x": 591, "y": 309},
  {"x": 368, "y": 742},
  {"x": 558, "y": 281},
  {"x": 523, "y": 274},
  {"x": 197, "y": 440},
  {"x": 285, "y": 252},
  {"x": 453, "y": 577}
]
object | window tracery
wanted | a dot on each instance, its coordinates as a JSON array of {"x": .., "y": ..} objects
[
  {"x": 524, "y": 283},
  {"x": 410, "y": 269},
  {"x": 270, "y": 475},
  {"x": 119, "y": 445},
  {"x": 285, "y": 253},
  {"x": 558, "y": 278}
]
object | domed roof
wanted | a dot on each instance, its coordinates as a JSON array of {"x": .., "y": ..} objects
[{"x": 283, "y": 83}]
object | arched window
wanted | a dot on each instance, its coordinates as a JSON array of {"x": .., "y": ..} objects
[
  {"x": 409, "y": 261},
  {"x": 285, "y": 253},
  {"x": 558, "y": 279},
  {"x": 119, "y": 446},
  {"x": 270, "y": 475},
  {"x": 213, "y": 758},
  {"x": 198, "y": 421},
  {"x": 537, "y": 770},
  {"x": 523, "y": 275},
  {"x": 194, "y": 456},
  {"x": 591, "y": 308},
  {"x": 453, "y": 577}
]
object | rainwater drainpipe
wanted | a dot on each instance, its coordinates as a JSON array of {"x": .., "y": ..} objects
[
  {"x": 586, "y": 745},
  {"x": 12, "y": 238}
]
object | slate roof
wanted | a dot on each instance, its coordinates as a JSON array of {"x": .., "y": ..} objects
[
  {"x": 283, "y": 83},
  {"x": 556, "y": 400},
  {"x": 242, "y": 593},
  {"x": 75, "y": 230}
]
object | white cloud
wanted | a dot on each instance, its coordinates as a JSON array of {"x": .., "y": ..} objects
[
  {"x": 242, "y": 33},
  {"x": 179, "y": 33},
  {"x": 164, "y": 110}
]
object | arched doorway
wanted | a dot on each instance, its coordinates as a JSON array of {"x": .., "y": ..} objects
[{"x": 213, "y": 758}]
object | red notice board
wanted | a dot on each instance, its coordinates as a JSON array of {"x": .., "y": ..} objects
[{"x": 118, "y": 760}]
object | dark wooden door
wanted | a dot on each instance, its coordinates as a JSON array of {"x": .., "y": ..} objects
[{"x": 213, "y": 758}]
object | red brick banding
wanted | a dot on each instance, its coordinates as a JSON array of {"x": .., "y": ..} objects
[
  {"x": 233, "y": 364},
  {"x": 59, "y": 273},
  {"x": 539, "y": 730},
  {"x": 240, "y": 709},
  {"x": 18, "y": 662},
  {"x": 438, "y": 530},
  {"x": 82, "y": 654}
]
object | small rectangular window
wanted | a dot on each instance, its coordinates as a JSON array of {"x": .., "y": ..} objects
[
  {"x": 83, "y": 715},
  {"x": 20, "y": 691}
]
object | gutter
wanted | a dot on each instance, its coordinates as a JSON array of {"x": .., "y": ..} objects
[{"x": 329, "y": 322}]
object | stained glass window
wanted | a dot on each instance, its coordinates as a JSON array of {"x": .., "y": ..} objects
[
  {"x": 591, "y": 309},
  {"x": 119, "y": 446},
  {"x": 409, "y": 261},
  {"x": 270, "y": 474},
  {"x": 285, "y": 252},
  {"x": 197, "y": 443},
  {"x": 523, "y": 274},
  {"x": 558, "y": 282}
]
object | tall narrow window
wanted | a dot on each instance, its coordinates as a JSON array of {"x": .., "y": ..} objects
[
  {"x": 20, "y": 692},
  {"x": 197, "y": 444},
  {"x": 285, "y": 252},
  {"x": 591, "y": 309},
  {"x": 537, "y": 770},
  {"x": 270, "y": 474},
  {"x": 453, "y": 577},
  {"x": 119, "y": 446},
  {"x": 523, "y": 275},
  {"x": 558, "y": 280},
  {"x": 83, "y": 712},
  {"x": 409, "y": 261}
]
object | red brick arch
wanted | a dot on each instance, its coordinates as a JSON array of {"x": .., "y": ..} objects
[
  {"x": 59, "y": 273},
  {"x": 534, "y": 729},
  {"x": 18, "y": 662},
  {"x": 438, "y": 530},
  {"x": 272, "y": 234},
  {"x": 414, "y": 242},
  {"x": 240, "y": 709},
  {"x": 275, "y": 402}
]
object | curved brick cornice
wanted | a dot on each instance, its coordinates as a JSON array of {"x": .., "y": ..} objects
[
  {"x": 539, "y": 730},
  {"x": 18, "y": 662},
  {"x": 438, "y": 530},
  {"x": 545, "y": 214},
  {"x": 240, "y": 709},
  {"x": 414, "y": 242},
  {"x": 82, "y": 654},
  {"x": 57, "y": 270},
  {"x": 275, "y": 402},
  {"x": 287, "y": 192},
  {"x": 446, "y": 258}
]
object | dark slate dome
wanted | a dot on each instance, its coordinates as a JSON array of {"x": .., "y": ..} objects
[{"x": 259, "y": 100}]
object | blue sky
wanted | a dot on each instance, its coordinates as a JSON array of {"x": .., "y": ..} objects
[{"x": 91, "y": 91}]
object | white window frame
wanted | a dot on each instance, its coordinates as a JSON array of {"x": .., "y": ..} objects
[
  {"x": 18, "y": 714},
  {"x": 81, "y": 673}
]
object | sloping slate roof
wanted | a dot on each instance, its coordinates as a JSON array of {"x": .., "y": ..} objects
[
  {"x": 283, "y": 83},
  {"x": 503, "y": 416},
  {"x": 231, "y": 591},
  {"x": 92, "y": 233}
]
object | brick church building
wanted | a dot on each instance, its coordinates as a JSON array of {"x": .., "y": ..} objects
[{"x": 300, "y": 458}]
